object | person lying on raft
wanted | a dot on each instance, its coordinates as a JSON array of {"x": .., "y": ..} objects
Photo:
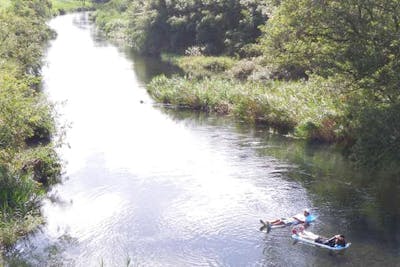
[
  {"x": 334, "y": 241},
  {"x": 304, "y": 217}
]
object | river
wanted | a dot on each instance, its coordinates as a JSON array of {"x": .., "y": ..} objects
[{"x": 147, "y": 185}]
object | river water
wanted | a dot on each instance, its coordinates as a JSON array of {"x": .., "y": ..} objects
[{"x": 147, "y": 185}]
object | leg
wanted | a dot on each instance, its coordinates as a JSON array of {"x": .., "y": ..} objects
[
  {"x": 311, "y": 236},
  {"x": 277, "y": 222},
  {"x": 265, "y": 225},
  {"x": 308, "y": 235}
]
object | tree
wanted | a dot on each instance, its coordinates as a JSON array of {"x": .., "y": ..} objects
[
  {"x": 358, "y": 39},
  {"x": 220, "y": 26},
  {"x": 352, "y": 39}
]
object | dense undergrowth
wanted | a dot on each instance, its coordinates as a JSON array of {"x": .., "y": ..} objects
[{"x": 29, "y": 164}]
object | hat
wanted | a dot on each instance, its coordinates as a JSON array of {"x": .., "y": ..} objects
[{"x": 307, "y": 210}]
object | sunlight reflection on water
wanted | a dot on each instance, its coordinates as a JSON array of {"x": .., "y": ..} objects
[
  {"x": 177, "y": 186},
  {"x": 145, "y": 186}
]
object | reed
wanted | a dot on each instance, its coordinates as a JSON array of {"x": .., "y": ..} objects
[
  {"x": 200, "y": 66},
  {"x": 61, "y": 7},
  {"x": 306, "y": 109}
]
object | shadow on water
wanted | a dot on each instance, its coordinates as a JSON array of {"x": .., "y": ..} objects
[
  {"x": 361, "y": 204},
  {"x": 148, "y": 67},
  {"x": 145, "y": 67}
]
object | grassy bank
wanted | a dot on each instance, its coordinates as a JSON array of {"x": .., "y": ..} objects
[
  {"x": 65, "y": 6},
  {"x": 112, "y": 18},
  {"x": 4, "y": 4},
  {"x": 198, "y": 66},
  {"x": 29, "y": 164},
  {"x": 306, "y": 109}
]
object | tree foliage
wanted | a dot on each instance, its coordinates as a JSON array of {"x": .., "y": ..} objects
[
  {"x": 224, "y": 26},
  {"x": 358, "y": 39}
]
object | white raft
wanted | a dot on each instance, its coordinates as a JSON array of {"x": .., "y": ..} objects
[{"x": 308, "y": 241}]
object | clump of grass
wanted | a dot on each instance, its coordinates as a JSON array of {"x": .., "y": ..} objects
[
  {"x": 64, "y": 6},
  {"x": 112, "y": 24},
  {"x": 200, "y": 66},
  {"x": 207, "y": 95},
  {"x": 11, "y": 230},
  {"x": 4, "y": 4},
  {"x": 303, "y": 108},
  {"x": 23, "y": 183}
]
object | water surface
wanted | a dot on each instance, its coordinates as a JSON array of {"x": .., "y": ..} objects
[{"x": 152, "y": 186}]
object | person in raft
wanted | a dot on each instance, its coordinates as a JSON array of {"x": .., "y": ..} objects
[
  {"x": 334, "y": 241},
  {"x": 304, "y": 217}
]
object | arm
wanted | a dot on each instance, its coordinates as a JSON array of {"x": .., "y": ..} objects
[
  {"x": 296, "y": 217},
  {"x": 333, "y": 238}
]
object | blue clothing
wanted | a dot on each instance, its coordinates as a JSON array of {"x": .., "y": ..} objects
[{"x": 309, "y": 218}]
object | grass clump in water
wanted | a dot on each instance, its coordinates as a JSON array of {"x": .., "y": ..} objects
[
  {"x": 200, "y": 66},
  {"x": 64, "y": 6},
  {"x": 307, "y": 109}
]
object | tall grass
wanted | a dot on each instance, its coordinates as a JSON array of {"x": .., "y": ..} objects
[
  {"x": 4, "y": 4},
  {"x": 307, "y": 109},
  {"x": 64, "y": 6},
  {"x": 201, "y": 66}
]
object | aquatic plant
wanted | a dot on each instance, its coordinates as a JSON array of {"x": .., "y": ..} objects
[
  {"x": 287, "y": 107},
  {"x": 201, "y": 66},
  {"x": 60, "y": 7}
]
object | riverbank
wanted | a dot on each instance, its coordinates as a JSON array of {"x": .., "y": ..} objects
[
  {"x": 277, "y": 44},
  {"x": 305, "y": 109},
  {"x": 60, "y": 7},
  {"x": 245, "y": 87},
  {"x": 29, "y": 164}
]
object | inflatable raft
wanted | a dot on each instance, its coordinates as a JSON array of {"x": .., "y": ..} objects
[{"x": 311, "y": 242}]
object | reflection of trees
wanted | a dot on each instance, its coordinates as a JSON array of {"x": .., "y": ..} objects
[
  {"x": 361, "y": 200},
  {"x": 349, "y": 200},
  {"x": 148, "y": 67}
]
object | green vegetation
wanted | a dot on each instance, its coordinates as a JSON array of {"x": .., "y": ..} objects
[
  {"x": 64, "y": 6},
  {"x": 28, "y": 162},
  {"x": 199, "y": 66},
  {"x": 281, "y": 49},
  {"x": 4, "y": 4},
  {"x": 312, "y": 114},
  {"x": 155, "y": 26},
  {"x": 112, "y": 18},
  {"x": 357, "y": 41}
]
